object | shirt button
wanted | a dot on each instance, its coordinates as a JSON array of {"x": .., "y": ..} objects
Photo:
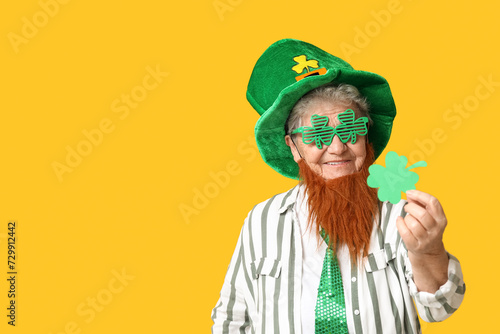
[
  {"x": 356, "y": 312},
  {"x": 353, "y": 279}
]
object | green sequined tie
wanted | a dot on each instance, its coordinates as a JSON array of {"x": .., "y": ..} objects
[{"x": 330, "y": 305}]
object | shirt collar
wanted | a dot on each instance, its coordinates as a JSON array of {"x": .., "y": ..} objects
[{"x": 290, "y": 200}]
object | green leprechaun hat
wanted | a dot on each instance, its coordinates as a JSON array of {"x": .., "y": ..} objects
[{"x": 289, "y": 69}]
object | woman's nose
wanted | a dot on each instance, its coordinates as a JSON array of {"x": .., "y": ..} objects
[{"x": 336, "y": 147}]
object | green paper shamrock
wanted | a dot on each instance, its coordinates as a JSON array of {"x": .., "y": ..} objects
[
  {"x": 350, "y": 127},
  {"x": 394, "y": 178}
]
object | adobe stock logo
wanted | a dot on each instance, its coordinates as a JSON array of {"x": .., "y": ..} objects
[
  {"x": 454, "y": 117},
  {"x": 121, "y": 106},
  {"x": 96, "y": 303},
  {"x": 223, "y": 6},
  {"x": 218, "y": 180},
  {"x": 30, "y": 27},
  {"x": 372, "y": 29}
]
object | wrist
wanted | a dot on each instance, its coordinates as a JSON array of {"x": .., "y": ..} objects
[{"x": 430, "y": 270}]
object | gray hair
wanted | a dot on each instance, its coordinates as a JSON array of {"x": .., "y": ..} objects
[{"x": 338, "y": 93}]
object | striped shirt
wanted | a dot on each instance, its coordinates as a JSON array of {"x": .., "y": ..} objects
[{"x": 262, "y": 289}]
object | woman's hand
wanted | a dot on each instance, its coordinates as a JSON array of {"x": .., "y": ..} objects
[{"x": 422, "y": 232}]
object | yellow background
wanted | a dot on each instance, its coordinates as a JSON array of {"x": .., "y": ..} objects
[{"x": 120, "y": 207}]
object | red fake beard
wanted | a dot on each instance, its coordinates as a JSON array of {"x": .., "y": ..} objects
[{"x": 345, "y": 207}]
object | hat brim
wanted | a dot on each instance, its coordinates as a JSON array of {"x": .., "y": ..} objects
[{"x": 270, "y": 128}]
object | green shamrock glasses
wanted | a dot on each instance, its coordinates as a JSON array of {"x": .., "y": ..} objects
[{"x": 320, "y": 133}]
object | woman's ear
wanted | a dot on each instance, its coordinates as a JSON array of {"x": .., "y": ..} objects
[{"x": 293, "y": 148}]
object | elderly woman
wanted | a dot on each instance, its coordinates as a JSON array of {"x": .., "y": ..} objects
[{"x": 327, "y": 256}]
